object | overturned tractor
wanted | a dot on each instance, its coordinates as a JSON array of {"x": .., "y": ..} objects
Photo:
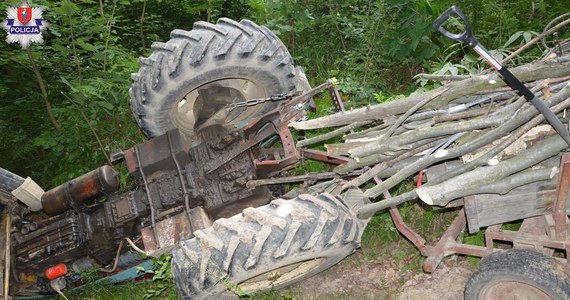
[{"x": 217, "y": 103}]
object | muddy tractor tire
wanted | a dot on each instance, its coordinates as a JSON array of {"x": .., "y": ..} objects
[
  {"x": 197, "y": 73},
  {"x": 519, "y": 274},
  {"x": 267, "y": 247}
]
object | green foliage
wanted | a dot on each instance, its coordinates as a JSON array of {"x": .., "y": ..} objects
[
  {"x": 128, "y": 290},
  {"x": 162, "y": 277},
  {"x": 89, "y": 275},
  {"x": 373, "y": 47},
  {"x": 234, "y": 288},
  {"x": 360, "y": 42}
]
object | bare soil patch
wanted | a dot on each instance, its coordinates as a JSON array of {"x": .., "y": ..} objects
[{"x": 359, "y": 278}]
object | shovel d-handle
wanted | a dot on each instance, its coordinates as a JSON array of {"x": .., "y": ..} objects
[{"x": 468, "y": 38}]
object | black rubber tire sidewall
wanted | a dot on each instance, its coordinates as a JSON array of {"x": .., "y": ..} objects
[
  {"x": 336, "y": 238},
  {"x": 524, "y": 266},
  {"x": 205, "y": 54}
]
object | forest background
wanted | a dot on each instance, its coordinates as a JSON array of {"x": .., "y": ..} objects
[{"x": 64, "y": 104}]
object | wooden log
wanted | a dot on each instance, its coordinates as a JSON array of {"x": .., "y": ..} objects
[
  {"x": 446, "y": 128},
  {"x": 521, "y": 144},
  {"x": 516, "y": 134},
  {"x": 438, "y": 77},
  {"x": 366, "y": 132},
  {"x": 416, "y": 148},
  {"x": 481, "y": 178},
  {"x": 501, "y": 187},
  {"x": 522, "y": 117},
  {"x": 408, "y": 113},
  {"x": 368, "y": 210},
  {"x": 463, "y": 115},
  {"x": 332, "y": 134},
  {"x": 533, "y": 71},
  {"x": 531, "y": 200},
  {"x": 374, "y": 112},
  {"x": 342, "y": 148},
  {"x": 425, "y": 133}
]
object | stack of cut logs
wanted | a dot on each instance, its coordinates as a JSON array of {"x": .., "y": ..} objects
[{"x": 472, "y": 136}]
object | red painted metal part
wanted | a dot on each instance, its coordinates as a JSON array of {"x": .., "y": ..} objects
[
  {"x": 168, "y": 233},
  {"x": 402, "y": 227},
  {"x": 544, "y": 233},
  {"x": 445, "y": 243},
  {"x": 56, "y": 271},
  {"x": 560, "y": 217},
  {"x": 323, "y": 156},
  {"x": 337, "y": 101}
]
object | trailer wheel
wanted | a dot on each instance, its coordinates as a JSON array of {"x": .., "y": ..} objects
[
  {"x": 519, "y": 274},
  {"x": 186, "y": 80},
  {"x": 271, "y": 246}
]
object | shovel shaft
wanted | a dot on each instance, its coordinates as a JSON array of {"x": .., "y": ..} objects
[
  {"x": 468, "y": 38},
  {"x": 550, "y": 117}
]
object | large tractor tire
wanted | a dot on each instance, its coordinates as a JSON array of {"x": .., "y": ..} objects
[
  {"x": 196, "y": 74},
  {"x": 519, "y": 274},
  {"x": 266, "y": 247},
  {"x": 9, "y": 181}
]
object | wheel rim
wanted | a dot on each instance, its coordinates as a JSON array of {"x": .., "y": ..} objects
[
  {"x": 204, "y": 105},
  {"x": 511, "y": 290},
  {"x": 281, "y": 275}
]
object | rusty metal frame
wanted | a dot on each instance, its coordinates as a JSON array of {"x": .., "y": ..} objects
[
  {"x": 545, "y": 233},
  {"x": 278, "y": 119},
  {"x": 323, "y": 156}
]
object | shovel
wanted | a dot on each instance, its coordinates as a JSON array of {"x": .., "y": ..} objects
[{"x": 468, "y": 38}]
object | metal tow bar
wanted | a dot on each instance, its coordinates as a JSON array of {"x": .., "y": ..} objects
[{"x": 468, "y": 38}]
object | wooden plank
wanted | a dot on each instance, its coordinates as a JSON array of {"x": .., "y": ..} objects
[{"x": 524, "y": 202}]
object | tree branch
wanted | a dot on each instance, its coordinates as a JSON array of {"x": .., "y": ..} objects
[
  {"x": 522, "y": 117},
  {"x": 43, "y": 89},
  {"x": 330, "y": 135}
]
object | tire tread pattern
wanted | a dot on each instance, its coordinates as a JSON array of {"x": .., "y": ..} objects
[
  {"x": 262, "y": 236},
  {"x": 186, "y": 54},
  {"x": 520, "y": 265}
]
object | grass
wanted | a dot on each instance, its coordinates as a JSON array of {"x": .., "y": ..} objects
[
  {"x": 128, "y": 290},
  {"x": 478, "y": 239}
]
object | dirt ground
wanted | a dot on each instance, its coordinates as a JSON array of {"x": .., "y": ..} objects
[{"x": 359, "y": 278}]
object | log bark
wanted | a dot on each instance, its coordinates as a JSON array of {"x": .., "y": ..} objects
[
  {"x": 447, "y": 128},
  {"x": 522, "y": 117},
  {"x": 471, "y": 182},
  {"x": 464, "y": 115},
  {"x": 530, "y": 72},
  {"x": 437, "y": 77},
  {"x": 332, "y": 134},
  {"x": 342, "y": 148},
  {"x": 366, "y": 132},
  {"x": 515, "y": 135},
  {"x": 416, "y": 148},
  {"x": 375, "y": 112},
  {"x": 501, "y": 186},
  {"x": 425, "y": 133},
  {"x": 408, "y": 113},
  {"x": 368, "y": 210}
]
